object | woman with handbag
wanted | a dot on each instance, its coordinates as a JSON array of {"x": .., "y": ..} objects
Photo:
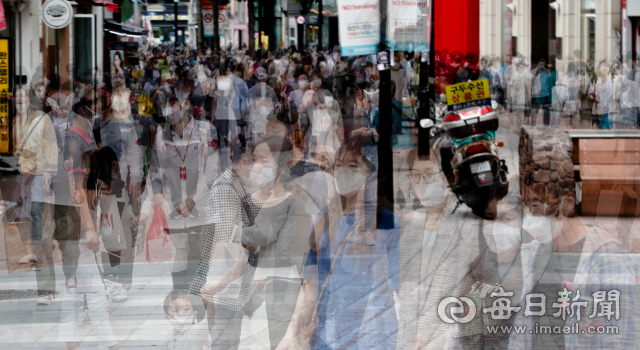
[
  {"x": 281, "y": 230},
  {"x": 346, "y": 301},
  {"x": 226, "y": 289}
]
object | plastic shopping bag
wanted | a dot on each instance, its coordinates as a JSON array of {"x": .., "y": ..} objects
[{"x": 159, "y": 246}]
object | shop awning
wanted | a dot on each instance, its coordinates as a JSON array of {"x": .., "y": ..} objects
[
  {"x": 124, "y": 30},
  {"x": 111, "y": 7}
]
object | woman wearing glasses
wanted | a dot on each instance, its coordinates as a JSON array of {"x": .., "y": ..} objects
[
  {"x": 424, "y": 208},
  {"x": 445, "y": 251}
]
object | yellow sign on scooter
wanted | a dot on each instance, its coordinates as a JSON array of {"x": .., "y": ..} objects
[{"x": 468, "y": 94}]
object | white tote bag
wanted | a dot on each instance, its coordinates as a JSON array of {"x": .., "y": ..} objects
[
  {"x": 109, "y": 224},
  {"x": 229, "y": 256}
]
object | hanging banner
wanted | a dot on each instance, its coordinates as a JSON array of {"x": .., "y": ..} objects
[
  {"x": 359, "y": 23},
  {"x": 222, "y": 15},
  {"x": 4, "y": 95},
  {"x": 3, "y": 20},
  {"x": 408, "y": 25},
  {"x": 207, "y": 17}
]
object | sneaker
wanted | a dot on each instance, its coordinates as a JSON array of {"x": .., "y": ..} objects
[
  {"x": 112, "y": 287},
  {"x": 29, "y": 258},
  {"x": 46, "y": 299},
  {"x": 116, "y": 291},
  {"x": 71, "y": 283},
  {"x": 121, "y": 296}
]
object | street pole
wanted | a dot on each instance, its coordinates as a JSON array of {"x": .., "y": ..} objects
[
  {"x": 175, "y": 19},
  {"x": 426, "y": 92},
  {"x": 216, "y": 26},
  {"x": 385, "y": 152},
  {"x": 200, "y": 23},
  {"x": 320, "y": 18}
]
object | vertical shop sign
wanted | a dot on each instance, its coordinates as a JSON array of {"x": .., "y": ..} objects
[
  {"x": 207, "y": 17},
  {"x": 4, "y": 93}
]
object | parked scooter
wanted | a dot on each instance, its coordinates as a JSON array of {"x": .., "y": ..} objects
[{"x": 468, "y": 156}]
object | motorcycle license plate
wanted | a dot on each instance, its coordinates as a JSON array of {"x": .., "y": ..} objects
[{"x": 483, "y": 167}]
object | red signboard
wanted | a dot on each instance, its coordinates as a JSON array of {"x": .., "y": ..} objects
[
  {"x": 207, "y": 5},
  {"x": 3, "y": 21}
]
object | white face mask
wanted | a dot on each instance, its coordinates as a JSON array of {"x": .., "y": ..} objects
[
  {"x": 119, "y": 104},
  {"x": 80, "y": 93},
  {"x": 302, "y": 84},
  {"x": 508, "y": 237},
  {"x": 174, "y": 117},
  {"x": 538, "y": 226},
  {"x": 21, "y": 107},
  {"x": 430, "y": 195},
  {"x": 166, "y": 111},
  {"x": 256, "y": 179},
  {"x": 202, "y": 78},
  {"x": 182, "y": 323},
  {"x": 348, "y": 182}
]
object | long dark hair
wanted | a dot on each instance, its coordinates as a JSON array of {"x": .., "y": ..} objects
[{"x": 117, "y": 54}]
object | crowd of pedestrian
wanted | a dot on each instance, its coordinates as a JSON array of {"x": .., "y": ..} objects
[{"x": 254, "y": 177}]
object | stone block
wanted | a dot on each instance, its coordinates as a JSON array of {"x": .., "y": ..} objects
[{"x": 541, "y": 176}]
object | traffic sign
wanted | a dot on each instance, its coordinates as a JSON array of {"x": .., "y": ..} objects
[
  {"x": 208, "y": 18},
  {"x": 221, "y": 18},
  {"x": 300, "y": 20}
]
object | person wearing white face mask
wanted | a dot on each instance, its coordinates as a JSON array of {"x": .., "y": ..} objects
[
  {"x": 281, "y": 230},
  {"x": 295, "y": 98},
  {"x": 203, "y": 105},
  {"x": 445, "y": 251},
  {"x": 262, "y": 101},
  {"x": 185, "y": 159},
  {"x": 117, "y": 130},
  {"x": 225, "y": 116},
  {"x": 34, "y": 142},
  {"x": 424, "y": 207},
  {"x": 346, "y": 301},
  {"x": 398, "y": 76},
  {"x": 323, "y": 113},
  {"x": 228, "y": 208},
  {"x": 181, "y": 309}
]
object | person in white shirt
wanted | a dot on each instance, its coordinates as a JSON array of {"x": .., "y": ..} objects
[{"x": 185, "y": 165}]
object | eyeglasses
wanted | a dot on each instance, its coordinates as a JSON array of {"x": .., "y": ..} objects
[{"x": 428, "y": 178}]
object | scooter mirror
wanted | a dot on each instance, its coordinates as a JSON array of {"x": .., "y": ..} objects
[{"x": 426, "y": 123}]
